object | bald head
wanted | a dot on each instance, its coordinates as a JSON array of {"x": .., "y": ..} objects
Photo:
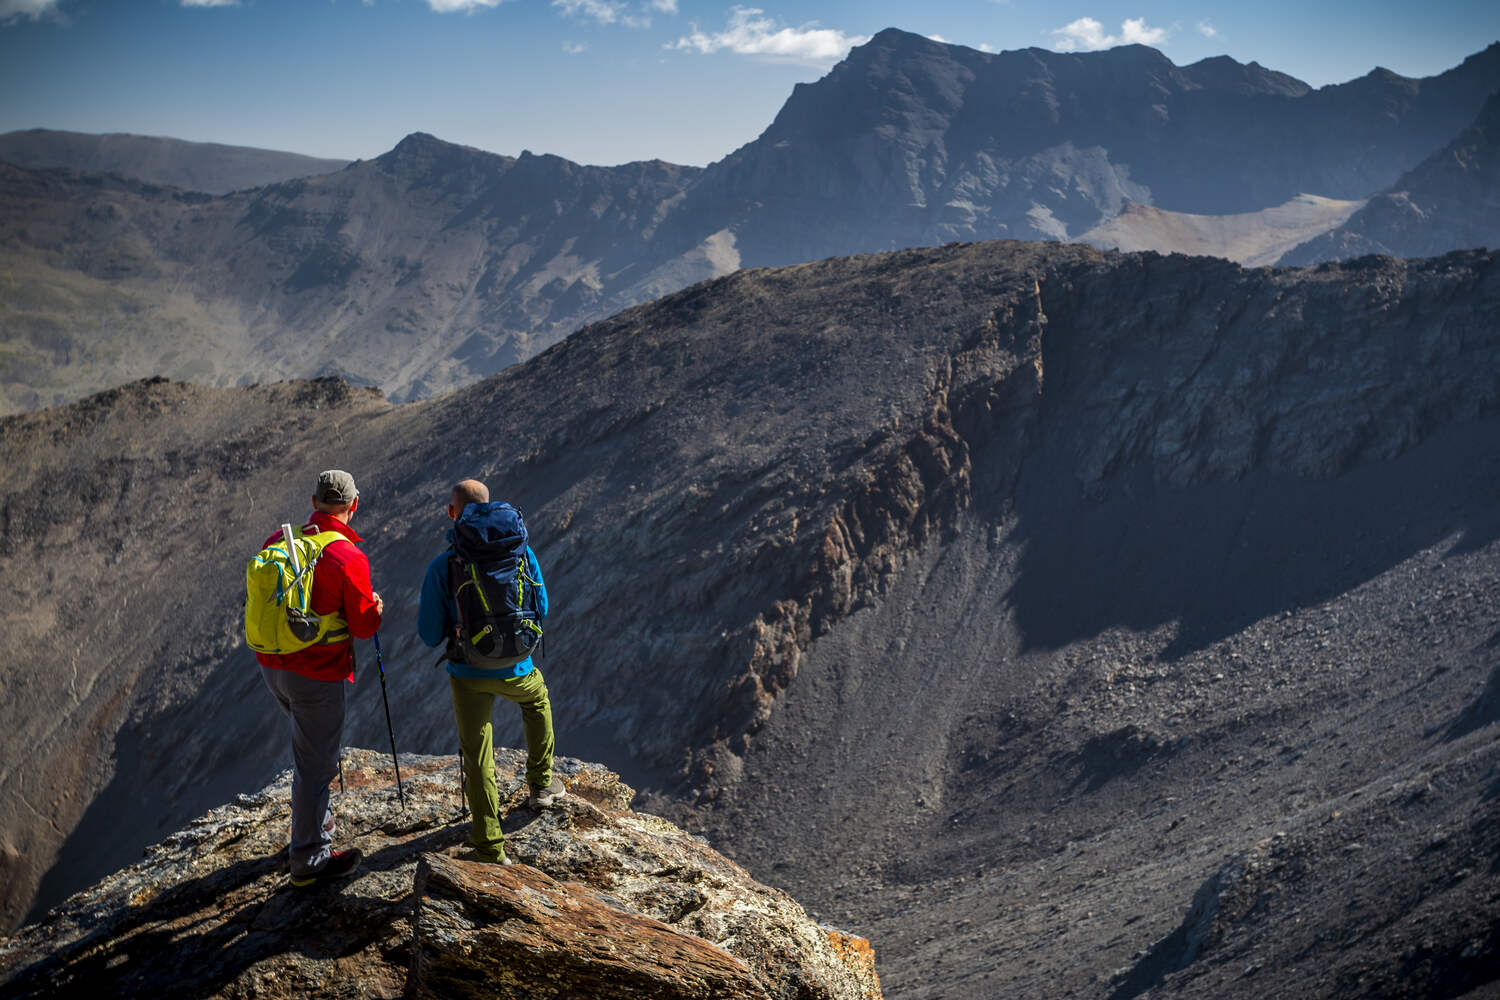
[{"x": 467, "y": 492}]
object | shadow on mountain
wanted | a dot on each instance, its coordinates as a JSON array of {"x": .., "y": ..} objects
[
  {"x": 1485, "y": 709},
  {"x": 1217, "y": 557},
  {"x": 1118, "y": 754},
  {"x": 1182, "y": 947},
  {"x": 169, "y": 777},
  {"x": 329, "y": 922}
]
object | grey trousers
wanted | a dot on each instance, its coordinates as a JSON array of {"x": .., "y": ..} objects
[{"x": 316, "y": 711}]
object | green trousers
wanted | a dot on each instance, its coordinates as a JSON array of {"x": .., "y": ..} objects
[{"x": 473, "y": 703}]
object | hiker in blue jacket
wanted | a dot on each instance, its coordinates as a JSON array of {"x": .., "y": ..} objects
[{"x": 483, "y": 535}]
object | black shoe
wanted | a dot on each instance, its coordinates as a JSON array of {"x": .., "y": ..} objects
[
  {"x": 339, "y": 864},
  {"x": 541, "y": 798}
]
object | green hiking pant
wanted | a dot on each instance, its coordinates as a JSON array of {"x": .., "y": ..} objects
[{"x": 473, "y": 702}]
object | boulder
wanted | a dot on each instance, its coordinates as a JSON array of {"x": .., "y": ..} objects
[{"x": 488, "y": 931}]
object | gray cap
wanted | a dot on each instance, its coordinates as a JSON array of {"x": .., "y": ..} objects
[{"x": 336, "y": 486}]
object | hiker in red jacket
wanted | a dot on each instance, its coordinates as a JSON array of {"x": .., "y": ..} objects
[{"x": 309, "y": 684}]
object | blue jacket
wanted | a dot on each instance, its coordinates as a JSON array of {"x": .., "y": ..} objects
[{"x": 437, "y": 614}]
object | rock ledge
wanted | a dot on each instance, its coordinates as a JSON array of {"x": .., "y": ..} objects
[{"x": 603, "y": 902}]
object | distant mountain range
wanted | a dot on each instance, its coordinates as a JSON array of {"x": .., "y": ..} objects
[
  {"x": 911, "y": 142},
  {"x": 192, "y": 166},
  {"x": 435, "y": 264}
]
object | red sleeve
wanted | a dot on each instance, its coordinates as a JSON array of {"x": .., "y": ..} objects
[{"x": 357, "y": 596}]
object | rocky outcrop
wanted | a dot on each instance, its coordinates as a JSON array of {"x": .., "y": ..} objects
[
  {"x": 1450, "y": 201},
  {"x": 602, "y": 901}
]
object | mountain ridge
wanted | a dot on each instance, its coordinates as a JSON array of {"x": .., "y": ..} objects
[
  {"x": 434, "y": 265},
  {"x": 211, "y": 167}
]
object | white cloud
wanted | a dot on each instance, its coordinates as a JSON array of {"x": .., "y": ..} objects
[
  {"x": 751, "y": 33},
  {"x": 575, "y": 48},
  {"x": 986, "y": 47},
  {"x": 1086, "y": 34},
  {"x": 603, "y": 12},
  {"x": 665, "y": 6},
  {"x": 1207, "y": 30},
  {"x": 210, "y": 3},
  {"x": 461, "y": 6},
  {"x": 939, "y": 39},
  {"x": 14, "y": 10}
]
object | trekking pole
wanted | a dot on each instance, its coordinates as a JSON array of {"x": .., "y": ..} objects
[
  {"x": 383, "y": 697},
  {"x": 463, "y": 791}
]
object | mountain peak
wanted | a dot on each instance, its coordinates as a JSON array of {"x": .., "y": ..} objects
[
  {"x": 421, "y": 143},
  {"x": 424, "y": 155}
]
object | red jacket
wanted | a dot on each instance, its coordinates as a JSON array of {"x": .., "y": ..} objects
[{"x": 341, "y": 583}]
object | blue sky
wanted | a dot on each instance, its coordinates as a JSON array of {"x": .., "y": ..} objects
[{"x": 600, "y": 81}]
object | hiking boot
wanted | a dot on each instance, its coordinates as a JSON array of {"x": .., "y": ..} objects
[
  {"x": 541, "y": 798},
  {"x": 472, "y": 853},
  {"x": 338, "y": 865}
]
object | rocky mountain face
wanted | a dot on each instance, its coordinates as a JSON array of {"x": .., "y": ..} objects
[
  {"x": 192, "y": 166},
  {"x": 434, "y": 265},
  {"x": 1451, "y": 199},
  {"x": 1006, "y": 600},
  {"x": 601, "y": 902},
  {"x": 910, "y": 142}
]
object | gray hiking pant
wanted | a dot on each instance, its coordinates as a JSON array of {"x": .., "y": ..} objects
[{"x": 316, "y": 711}]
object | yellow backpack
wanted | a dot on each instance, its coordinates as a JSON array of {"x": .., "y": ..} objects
[{"x": 278, "y": 593}]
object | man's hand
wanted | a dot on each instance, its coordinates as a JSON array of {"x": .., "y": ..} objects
[{"x": 379, "y": 605}]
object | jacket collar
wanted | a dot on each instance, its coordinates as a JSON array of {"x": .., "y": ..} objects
[{"x": 327, "y": 522}]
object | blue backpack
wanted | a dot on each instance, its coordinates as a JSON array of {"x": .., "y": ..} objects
[{"x": 492, "y": 587}]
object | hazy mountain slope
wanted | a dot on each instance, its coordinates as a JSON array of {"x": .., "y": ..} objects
[
  {"x": 434, "y": 265},
  {"x": 1450, "y": 201},
  {"x": 1251, "y": 238},
  {"x": 194, "y": 166},
  {"x": 913, "y": 142},
  {"x": 90, "y": 299},
  {"x": 420, "y": 270},
  {"x": 1026, "y": 582}
]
